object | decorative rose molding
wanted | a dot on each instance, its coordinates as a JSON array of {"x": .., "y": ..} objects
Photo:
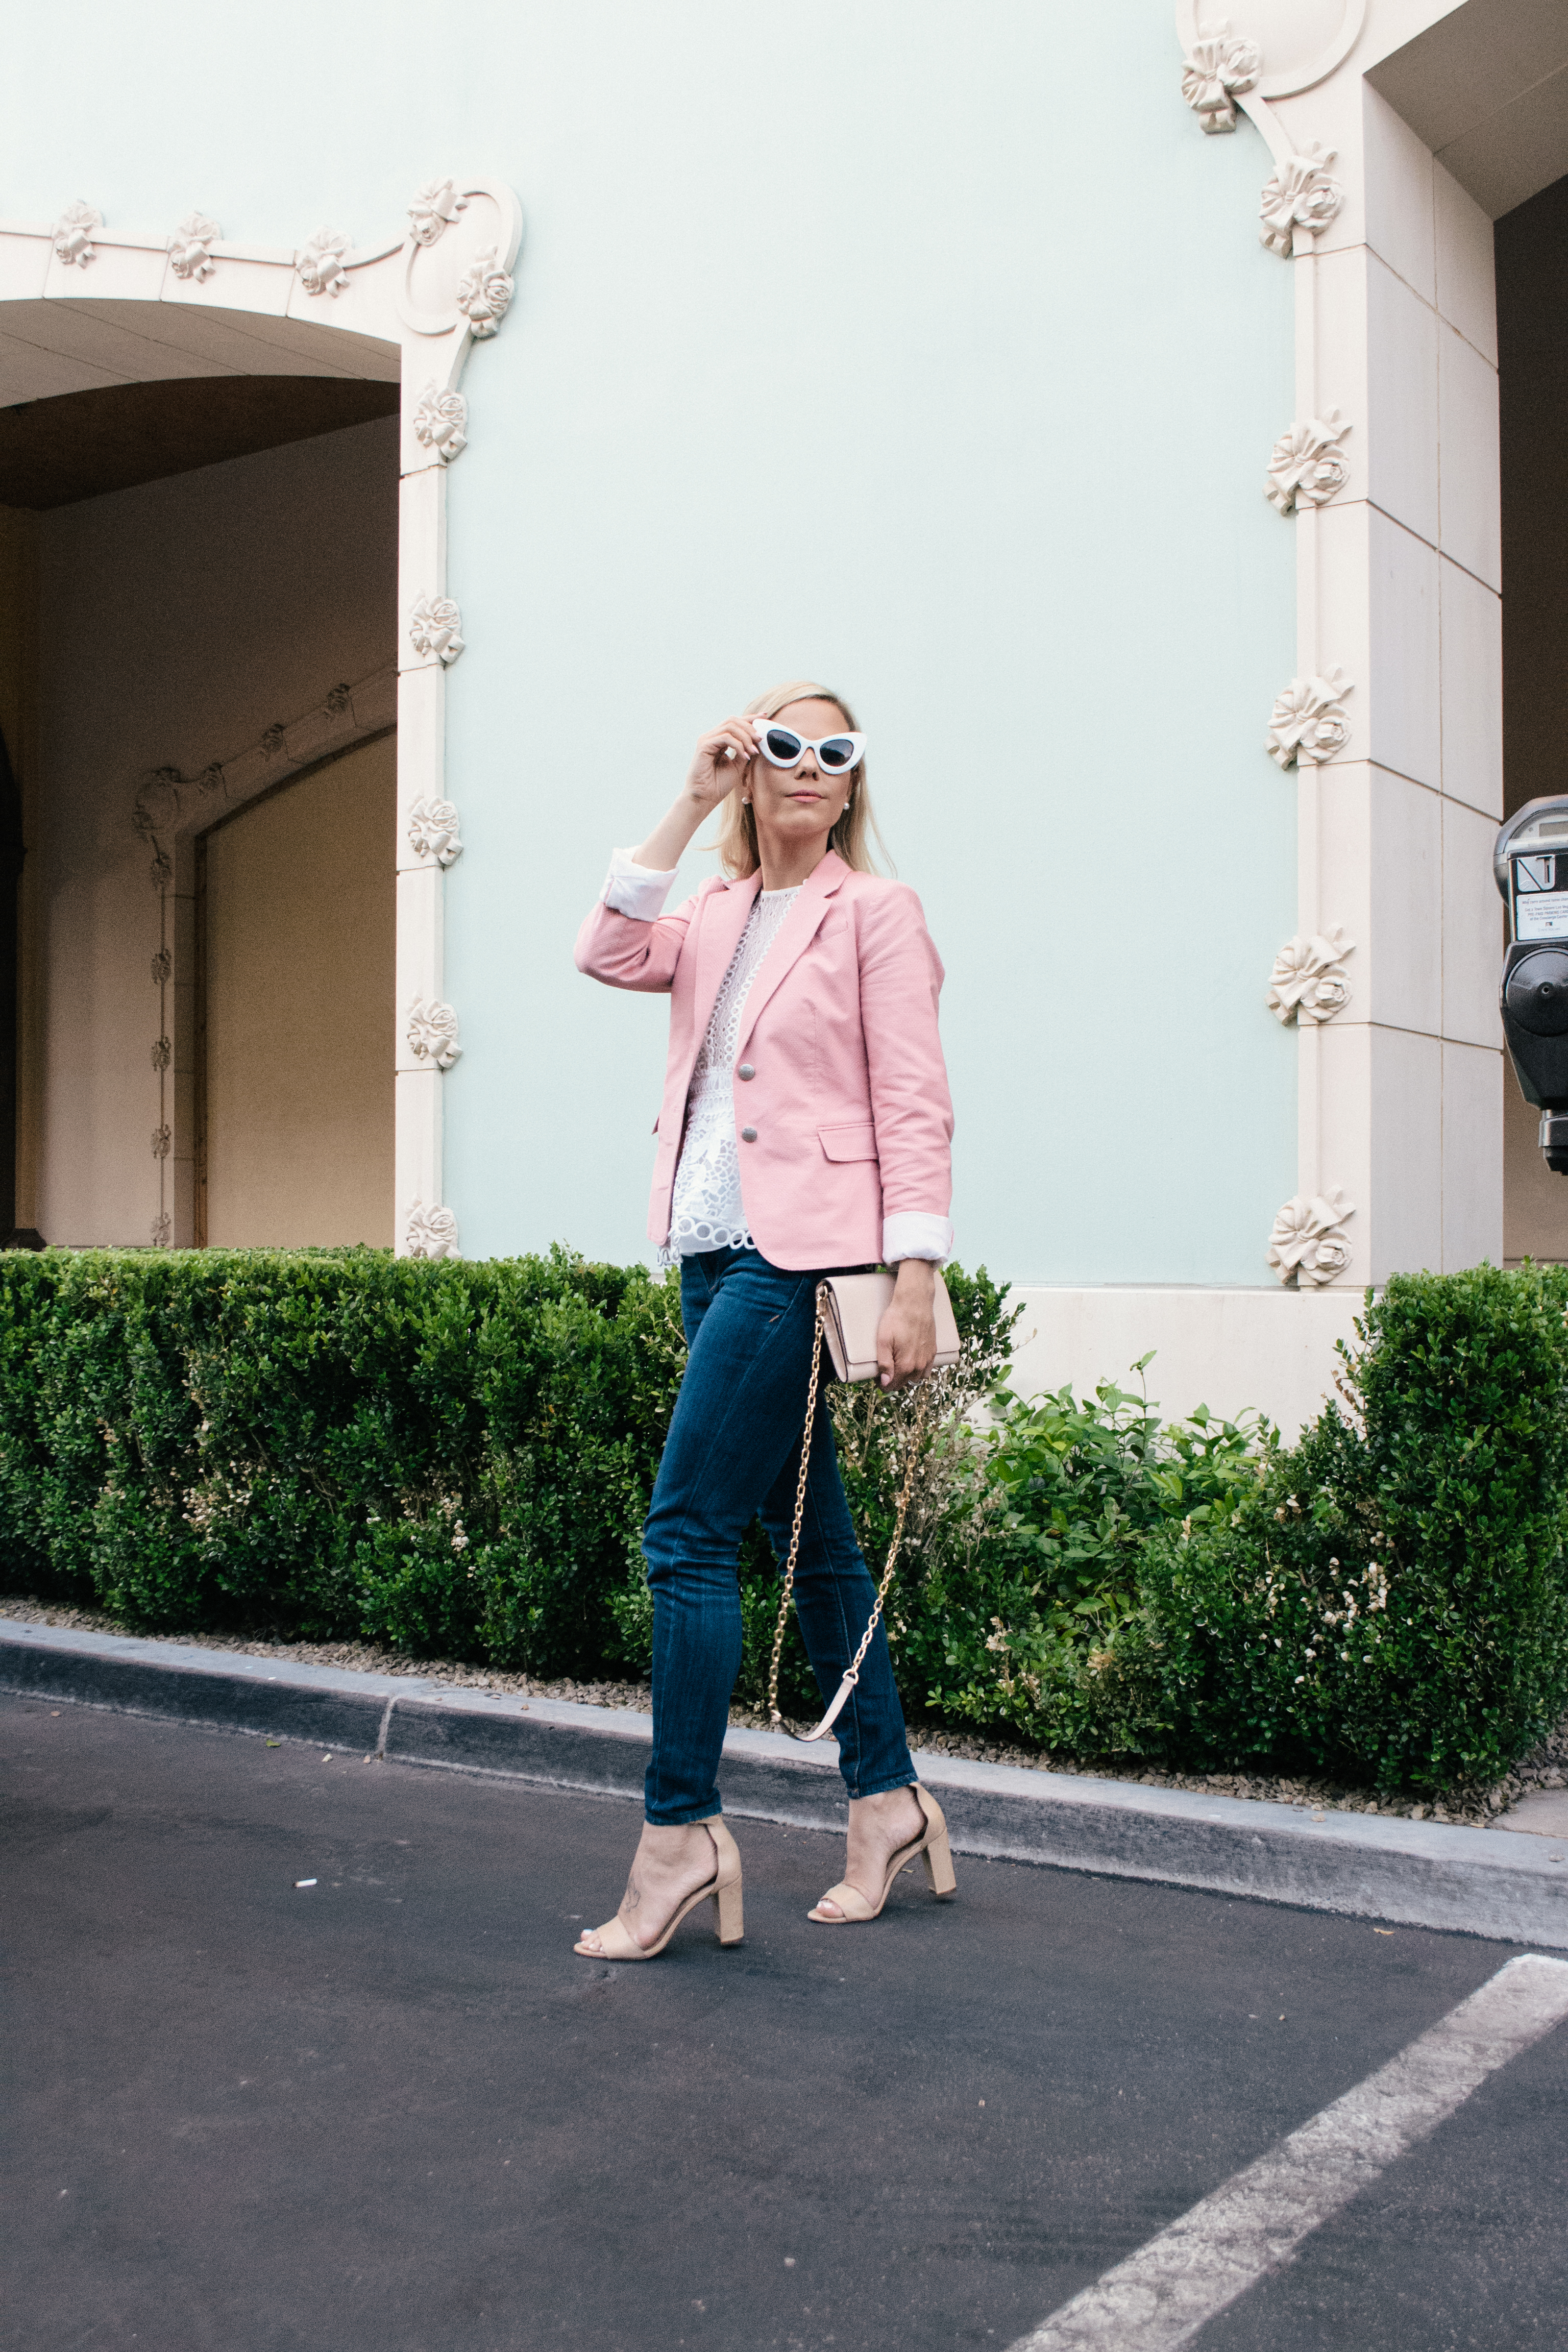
[
  {"x": 433, "y": 832},
  {"x": 1220, "y": 66},
  {"x": 73, "y": 233},
  {"x": 162, "y": 1053},
  {"x": 1308, "y": 1242},
  {"x": 1299, "y": 194},
  {"x": 1308, "y": 983},
  {"x": 1285, "y": 81},
  {"x": 430, "y": 1233},
  {"x": 1309, "y": 724},
  {"x": 441, "y": 423},
  {"x": 321, "y": 265},
  {"x": 1309, "y": 467},
  {"x": 436, "y": 205},
  {"x": 432, "y": 1033},
  {"x": 190, "y": 247},
  {"x": 160, "y": 1230},
  {"x": 434, "y": 626},
  {"x": 163, "y": 966},
  {"x": 484, "y": 293},
  {"x": 161, "y": 1139},
  {"x": 167, "y": 802}
]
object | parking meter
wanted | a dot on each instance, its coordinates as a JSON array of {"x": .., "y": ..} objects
[{"x": 1531, "y": 864}]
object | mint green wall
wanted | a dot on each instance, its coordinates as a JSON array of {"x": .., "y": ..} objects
[{"x": 928, "y": 349}]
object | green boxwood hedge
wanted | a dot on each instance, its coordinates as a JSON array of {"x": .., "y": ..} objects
[
  {"x": 456, "y": 1459},
  {"x": 452, "y": 1458}
]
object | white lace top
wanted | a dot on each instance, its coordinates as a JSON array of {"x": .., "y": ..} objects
[{"x": 706, "y": 1212}]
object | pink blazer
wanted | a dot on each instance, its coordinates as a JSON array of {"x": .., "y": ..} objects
[{"x": 850, "y": 1102}]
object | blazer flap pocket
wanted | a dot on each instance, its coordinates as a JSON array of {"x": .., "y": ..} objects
[{"x": 848, "y": 1142}]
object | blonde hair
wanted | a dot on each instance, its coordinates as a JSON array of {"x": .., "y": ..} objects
[{"x": 737, "y": 841}]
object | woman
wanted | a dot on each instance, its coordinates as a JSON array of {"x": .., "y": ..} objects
[{"x": 805, "y": 1129}]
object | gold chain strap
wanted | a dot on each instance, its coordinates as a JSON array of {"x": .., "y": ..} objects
[{"x": 852, "y": 1672}]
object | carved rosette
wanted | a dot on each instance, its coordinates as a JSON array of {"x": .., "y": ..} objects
[
  {"x": 321, "y": 264},
  {"x": 1308, "y": 467},
  {"x": 1308, "y": 983},
  {"x": 433, "y": 832},
  {"x": 162, "y": 1140},
  {"x": 434, "y": 626},
  {"x": 434, "y": 207},
  {"x": 73, "y": 233},
  {"x": 431, "y": 1032},
  {"x": 484, "y": 293},
  {"x": 1221, "y": 68},
  {"x": 162, "y": 1053},
  {"x": 1308, "y": 1242},
  {"x": 1309, "y": 724},
  {"x": 430, "y": 1233},
  {"x": 190, "y": 247},
  {"x": 1299, "y": 194},
  {"x": 441, "y": 423}
]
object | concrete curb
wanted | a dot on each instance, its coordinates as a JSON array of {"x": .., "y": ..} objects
[{"x": 1416, "y": 1873}]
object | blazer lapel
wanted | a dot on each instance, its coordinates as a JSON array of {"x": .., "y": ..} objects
[
  {"x": 724, "y": 914},
  {"x": 795, "y": 934}
]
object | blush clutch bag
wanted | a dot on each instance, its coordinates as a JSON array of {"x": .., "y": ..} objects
[{"x": 853, "y": 1305}]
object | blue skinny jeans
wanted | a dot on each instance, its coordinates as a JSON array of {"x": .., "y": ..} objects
[{"x": 733, "y": 1450}]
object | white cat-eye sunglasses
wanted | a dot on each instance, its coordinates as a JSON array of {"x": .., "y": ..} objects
[{"x": 783, "y": 748}]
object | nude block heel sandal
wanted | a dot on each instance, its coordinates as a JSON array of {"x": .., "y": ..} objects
[
  {"x": 933, "y": 1850},
  {"x": 723, "y": 1890}
]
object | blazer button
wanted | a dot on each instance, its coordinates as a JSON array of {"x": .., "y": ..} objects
[
  {"x": 745, "y": 1071},
  {"x": 748, "y": 1135}
]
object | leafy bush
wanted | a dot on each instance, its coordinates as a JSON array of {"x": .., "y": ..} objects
[
  {"x": 457, "y": 1458},
  {"x": 1061, "y": 1499},
  {"x": 450, "y": 1457},
  {"x": 1385, "y": 1600},
  {"x": 1390, "y": 1600}
]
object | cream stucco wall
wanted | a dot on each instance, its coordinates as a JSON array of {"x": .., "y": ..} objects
[{"x": 177, "y": 622}]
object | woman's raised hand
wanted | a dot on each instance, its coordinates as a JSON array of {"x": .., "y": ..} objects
[
  {"x": 720, "y": 760},
  {"x": 717, "y": 767}
]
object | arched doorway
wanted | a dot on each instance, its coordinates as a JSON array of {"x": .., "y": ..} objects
[
  {"x": 139, "y": 364},
  {"x": 294, "y": 1116}
]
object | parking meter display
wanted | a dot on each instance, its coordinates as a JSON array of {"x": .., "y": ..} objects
[{"x": 1530, "y": 863}]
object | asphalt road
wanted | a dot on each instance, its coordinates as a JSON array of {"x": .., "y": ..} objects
[{"x": 393, "y": 2112}]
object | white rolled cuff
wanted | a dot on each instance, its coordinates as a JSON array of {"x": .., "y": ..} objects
[
  {"x": 914, "y": 1232},
  {"x": 635, "y": 890}
]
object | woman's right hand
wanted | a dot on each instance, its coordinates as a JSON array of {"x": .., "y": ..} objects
[
  {"x": 712, "y": 777},
  {"x": 720, "y": 761}
]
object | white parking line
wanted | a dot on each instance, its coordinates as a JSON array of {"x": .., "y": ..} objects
[{"x": 1162, "y": 2295}]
